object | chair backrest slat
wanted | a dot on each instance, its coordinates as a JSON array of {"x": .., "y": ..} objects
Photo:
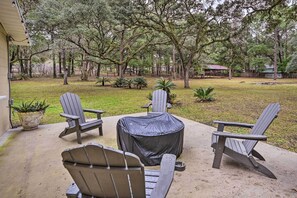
[
  {"x": 71, "y": 104},
  {"x": 159, "y": 101},
  {"x": 105, "y": 172},
  {"x": 263, "y": 122}
]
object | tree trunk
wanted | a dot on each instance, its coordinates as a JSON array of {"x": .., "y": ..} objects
[
  {"x": 173, "y": 63},
  {"x": 122, "y": 48},
  {"x": 72, "y": 64},
  {"x": 60, "y": 63},
  {"x": 54, "y": 64},
  {"x": 120, "y": 72},
  {"x": 275, "y": 53},
  {"x": 69, "y": 63},
  {"x": 168, "y": 69},
  {"x": 125, "y": 67},
  {"x": 22, "y": 62},
  {"x": 230, "y": 73},
  {"x": 65, "y": 76},
  {"x": 54, "y": 57},
  {"x": 12, "y": 58},
  {"x": 30, "y": 68},
  {"x": 181, "y": 71},
  {"x": 65, "y": 70},
  {"x": 153, "y": 64},
  {"x": 84, "y": 69},
  {"x": 98, "y": 69},
  {"x": 186, "y": 76},
  {"x": 26, "y": 71}
]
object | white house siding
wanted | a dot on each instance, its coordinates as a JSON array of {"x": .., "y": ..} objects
[{"x": 4, "y": 88}]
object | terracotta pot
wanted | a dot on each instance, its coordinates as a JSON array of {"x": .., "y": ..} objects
[{"x": 30, "y": 120}]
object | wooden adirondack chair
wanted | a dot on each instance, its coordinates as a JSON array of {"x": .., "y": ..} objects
[
  {"x": 99, "y": 171},
  {"x": 159, "y": 102},
  {"x": 243, "y": 151},
  {"x": 74, "y": 113}
]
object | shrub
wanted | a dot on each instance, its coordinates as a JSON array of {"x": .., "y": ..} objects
[
  {"x": 32, "y": 106},
  {"x": 166, "y": 86},
  {"x": 129, "y": 83},
  {"x": 139, "y": 82},
  {"x": 204, "y": 95},
  {"x": 120, "y": 82},
  {"x": 172, "y": 97},
  {"x": 103, "y": 80},
  {"x": 23, "y": 76},
  {"x": 150, "y": 96}
]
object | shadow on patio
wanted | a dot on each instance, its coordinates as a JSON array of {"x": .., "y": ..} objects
[{"x": 31, "y": 165}]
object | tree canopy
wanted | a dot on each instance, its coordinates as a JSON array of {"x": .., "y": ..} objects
[{"x": 243, "y": 35}]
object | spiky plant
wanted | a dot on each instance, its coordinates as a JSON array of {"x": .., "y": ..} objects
[
  {"x": 120, "y": 82},
  {"x": 129, "y": 83},
  {"x": 139, "y": 82},
  {"x": 165, "y": 85},
  {"x": 32, "y": 106},
  {"x": 204, "y": 95}
]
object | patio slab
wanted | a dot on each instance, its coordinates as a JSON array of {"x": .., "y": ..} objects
[{"x": 31, "y": 165}]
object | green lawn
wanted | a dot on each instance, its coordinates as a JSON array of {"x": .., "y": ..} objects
[{"x": 239, "y": 99}]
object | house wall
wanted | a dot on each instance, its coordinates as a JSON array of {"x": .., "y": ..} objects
[{"x": 4, "y": 87}]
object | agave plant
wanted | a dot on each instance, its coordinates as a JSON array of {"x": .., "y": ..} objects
[
  {"x": 139, "y": 82},
  {"x": 204, "y": 95},
  {"x": 32, "y": 106}
]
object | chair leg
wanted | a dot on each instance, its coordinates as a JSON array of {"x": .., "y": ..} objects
[
  {"x": 100, "y": 131},
  {"x": 63, "y": 133},
  {"x": 262, "y": 169},
  {"x": 257, "y": 155},
  {"x": 78, "y": 133},
  {"x": 219, "y": 152}
]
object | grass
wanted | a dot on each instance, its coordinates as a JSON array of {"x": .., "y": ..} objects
[{"x": 239, "y": 99}]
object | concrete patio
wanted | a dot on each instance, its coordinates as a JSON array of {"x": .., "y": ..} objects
[{"x": 31, "y": 166}]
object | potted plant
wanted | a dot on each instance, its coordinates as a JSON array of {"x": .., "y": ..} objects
[{"x": 31, "y": 113}]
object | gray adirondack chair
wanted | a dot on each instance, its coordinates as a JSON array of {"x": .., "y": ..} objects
[
  {"x": 74, "y": 114},
  {"x": 99, "y": 171},
  {"x": 159, "y": 102},
  {"x": 243, "y": 151}
]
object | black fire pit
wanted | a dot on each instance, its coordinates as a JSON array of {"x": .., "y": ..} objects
[{"x": 151, "y": 136}]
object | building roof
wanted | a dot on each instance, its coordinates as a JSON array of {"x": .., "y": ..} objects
[
  {"x": 13, "y": 22},
  {"x": 216, "y": 67}
]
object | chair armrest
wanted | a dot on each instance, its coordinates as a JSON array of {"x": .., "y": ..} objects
[
  {"x": 72, "y": 191},
  {"x": 166, "y": 176},
  {"x": 93, "y": 111},
  {"x": 236, "y": 124},
  {"x": 240, "y": 136},
  {"x": 147, "y": 105},
  {"x": 72, "y": 117},
  {"x": 169, "y": 106}
]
